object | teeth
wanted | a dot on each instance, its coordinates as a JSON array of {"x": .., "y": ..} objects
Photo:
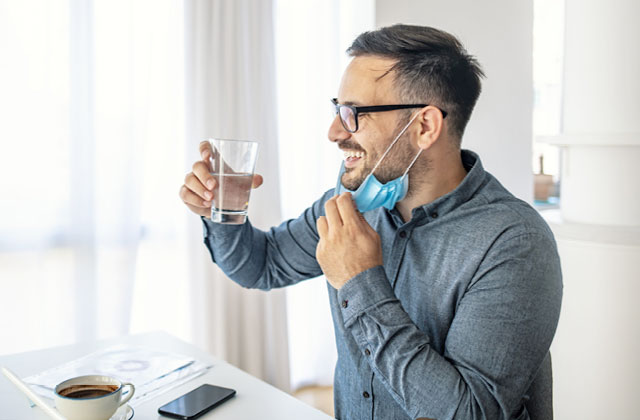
[{"x": 353, "y": 154}]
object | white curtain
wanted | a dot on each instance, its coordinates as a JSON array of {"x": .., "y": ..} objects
[
  {"x": 311, "y": 39},
  {"x": 92, "y": 138},
  {"x": 94, "y": 241},
  {"x": 231, "y": 94}
]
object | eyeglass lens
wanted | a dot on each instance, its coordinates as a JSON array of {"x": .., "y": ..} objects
[{"x": 348, "y": 118}]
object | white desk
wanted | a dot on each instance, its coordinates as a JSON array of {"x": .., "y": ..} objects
[{"x": 254, "y": 399}]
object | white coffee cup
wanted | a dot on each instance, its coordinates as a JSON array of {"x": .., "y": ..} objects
[{"x": 91, "y": 397}]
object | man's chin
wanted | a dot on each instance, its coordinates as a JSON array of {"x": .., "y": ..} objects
[{"x": 351, "y": 182}]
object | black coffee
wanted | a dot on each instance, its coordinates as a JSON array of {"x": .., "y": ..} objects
[{"x": 87, "y": 391}]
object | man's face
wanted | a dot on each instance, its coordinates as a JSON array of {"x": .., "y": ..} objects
[{"x": 366, "y": 82}]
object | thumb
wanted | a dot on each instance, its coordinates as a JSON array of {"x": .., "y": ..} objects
[{"x": 257, "y": 181}]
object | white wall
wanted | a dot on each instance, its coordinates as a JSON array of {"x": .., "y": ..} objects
[
  {"x": 499, "y": 33},
  {"x": 596, "y": 347}
]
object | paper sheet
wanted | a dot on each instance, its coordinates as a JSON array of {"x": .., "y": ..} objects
[{"x": 152, "y": 372}]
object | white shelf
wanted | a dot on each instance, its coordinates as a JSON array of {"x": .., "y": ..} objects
[
  {"x": 614, "y": 235},
  {"x": 590, "y": 139}
]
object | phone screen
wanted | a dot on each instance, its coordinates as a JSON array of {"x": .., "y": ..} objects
[{"x": 196, "y": 402}]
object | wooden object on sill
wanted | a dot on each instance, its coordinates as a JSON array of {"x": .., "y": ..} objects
[{"x": 542, "y": 183}]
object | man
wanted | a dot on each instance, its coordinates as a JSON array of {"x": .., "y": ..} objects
[{"x": 445, "y": 289}]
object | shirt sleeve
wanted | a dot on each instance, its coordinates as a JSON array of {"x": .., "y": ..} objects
[
  {"x": 498, "y": 339},
  {"x": 282, "y": 256}
]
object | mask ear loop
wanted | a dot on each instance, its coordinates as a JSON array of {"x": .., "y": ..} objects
[
  {"x": 394, "y": 142},
  {"x": 411, "y": 164}
]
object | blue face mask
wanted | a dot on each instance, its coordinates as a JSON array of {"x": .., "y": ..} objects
[{"x": 372, "y": 194}]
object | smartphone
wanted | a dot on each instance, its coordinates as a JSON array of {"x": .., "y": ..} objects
[{"x": 195, "y": 403}]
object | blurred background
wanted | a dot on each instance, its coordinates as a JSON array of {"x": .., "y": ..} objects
[{"x": 103, "y": 104}]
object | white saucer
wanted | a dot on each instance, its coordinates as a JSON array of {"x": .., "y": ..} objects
[{"x": 124, "y": 413}]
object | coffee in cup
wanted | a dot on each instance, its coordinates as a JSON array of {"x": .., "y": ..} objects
[
  {"x": 87, "y": 391},
  {"x": 91, "y": 397}
]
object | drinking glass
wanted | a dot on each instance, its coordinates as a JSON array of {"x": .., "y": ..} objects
[{"x": 231, "y": 164}]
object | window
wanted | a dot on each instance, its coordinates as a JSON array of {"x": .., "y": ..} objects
[{"x": 548, "y": 46}]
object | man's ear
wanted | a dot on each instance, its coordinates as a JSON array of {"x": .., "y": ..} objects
[{"x": 431, "y": 125}]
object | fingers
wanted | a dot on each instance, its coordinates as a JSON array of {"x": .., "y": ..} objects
[
  {"x": 201, "y": 171},
  {"x": 217, "y": 165},
  {"x": 321, "y": 225},
  {"x": 194, "y": 184},
  {"x": 333, "y": 215},
  {"x": 193, "y": 199},
  {"x": 205, "y": 150},
  {"x": 347, "y": 209}
]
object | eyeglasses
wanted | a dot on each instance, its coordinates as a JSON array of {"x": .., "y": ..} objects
[{"x": 349, "y": 113}]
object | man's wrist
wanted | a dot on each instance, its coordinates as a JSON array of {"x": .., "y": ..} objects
[{"x": 367, "y": 289}]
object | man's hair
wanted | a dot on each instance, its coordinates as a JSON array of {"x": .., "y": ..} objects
[{"x": 432, "y": 67}]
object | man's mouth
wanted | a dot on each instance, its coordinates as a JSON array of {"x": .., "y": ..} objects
[{"x": 352, "y": 158}]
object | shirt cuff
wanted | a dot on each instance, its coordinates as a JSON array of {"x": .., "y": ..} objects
[
  {"x": 206, "y": 226},
  {"x": 219, "y": 233},
  {"x": 366, "y": 290},
  {"x": 213, "y": 229}
]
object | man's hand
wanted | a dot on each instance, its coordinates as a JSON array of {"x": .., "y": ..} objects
[
  {"x": 200, "y": 187},
  {"x": 348, "y": 245}
]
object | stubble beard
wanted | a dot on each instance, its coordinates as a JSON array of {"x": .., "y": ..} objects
[{"x": 392, "y": 167}]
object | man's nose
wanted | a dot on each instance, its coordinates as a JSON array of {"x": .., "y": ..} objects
[{"x": 336, "y": 130}]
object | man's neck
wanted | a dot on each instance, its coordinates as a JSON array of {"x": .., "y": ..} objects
[{"x": 443, "y": 175}]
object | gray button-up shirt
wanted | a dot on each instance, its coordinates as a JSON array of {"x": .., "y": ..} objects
[{"x": 456, "y": 324}]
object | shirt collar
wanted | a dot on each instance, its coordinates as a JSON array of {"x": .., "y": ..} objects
[{"x": 461, "y": 194}]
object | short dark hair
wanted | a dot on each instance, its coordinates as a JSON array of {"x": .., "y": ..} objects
[{"x": 432, "y": 66}]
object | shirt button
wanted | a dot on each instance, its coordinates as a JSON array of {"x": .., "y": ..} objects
[
  {"x": 345, "y": 303},
  {"x": 365, "y": 394},
  {"x": 403, "y": 234},
  {"x": 367, "y": 352},
  {"x": 434, "y": 215}
]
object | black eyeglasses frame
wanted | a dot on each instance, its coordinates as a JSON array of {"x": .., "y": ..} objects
[{"x": 376, "y": 108}]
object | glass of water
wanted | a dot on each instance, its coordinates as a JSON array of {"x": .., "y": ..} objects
[{"x": 231, "y": 164}]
